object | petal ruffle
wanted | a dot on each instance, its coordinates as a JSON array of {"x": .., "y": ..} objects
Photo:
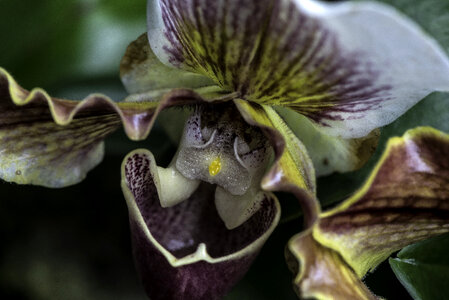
[
  {"x": 349, "y": 67},
  {"x": 321, "y": 273},
  {"x": 185, "y": 251},
  {"x": 405, "y": 200},
  {"x": 329, "y": 153},
  {"x": 55, "y": 142}
]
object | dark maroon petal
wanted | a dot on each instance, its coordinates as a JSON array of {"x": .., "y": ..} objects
[{"x": 185, "y": 251}]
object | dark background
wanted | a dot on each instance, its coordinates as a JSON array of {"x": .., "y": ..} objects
[{"x": 73, "y": 243}]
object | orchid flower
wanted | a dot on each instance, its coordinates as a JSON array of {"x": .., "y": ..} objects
[{"x": 291, "y": 78}]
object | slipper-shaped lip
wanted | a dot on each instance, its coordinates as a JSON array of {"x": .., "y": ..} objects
[
  {"x": 136, "y": 215},
  {"x": 172, "y": 269}
]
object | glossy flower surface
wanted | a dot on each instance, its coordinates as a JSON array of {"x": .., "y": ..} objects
[{"x": 253, "y": 71}]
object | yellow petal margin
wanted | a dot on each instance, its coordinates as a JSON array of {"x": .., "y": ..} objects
[
  {"x": 55, "y": 142},
  {"x": 293, "y": 170},
  {"x": 405, "y": 200},
  {"x": 321, "y": 273}
]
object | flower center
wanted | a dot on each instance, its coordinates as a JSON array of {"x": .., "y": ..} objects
[
  {"x": 219, "y": 147},
  {"x": 215, "y": 166}
]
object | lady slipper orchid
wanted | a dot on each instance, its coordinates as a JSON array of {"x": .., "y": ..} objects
[{"x": 251, "y": 71}]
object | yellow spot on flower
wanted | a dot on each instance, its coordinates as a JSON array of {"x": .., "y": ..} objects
[{"x": 215, "y": 166}]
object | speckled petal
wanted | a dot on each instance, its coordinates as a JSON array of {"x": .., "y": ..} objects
[
  {"x": 349, "y": 67},
  {"x": 405, "y": 200},
  {"x": 185, "y": 251},
  {"x": 55, "y": 142}
]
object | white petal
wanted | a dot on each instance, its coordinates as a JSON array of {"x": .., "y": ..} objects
[
  {"x": 404, "y": 58},
  {"x": 174, "y": 188},
  {"x": 349, "y": 67},
  {"x": 330, "y": 153},
  {"x": 155, "y": 31},
  {"x": 235, "y": 210}
]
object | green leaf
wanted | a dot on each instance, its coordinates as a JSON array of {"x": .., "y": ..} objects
[
  {"x": 73, "y": 39},
  {"x": 423, "y": 268}
]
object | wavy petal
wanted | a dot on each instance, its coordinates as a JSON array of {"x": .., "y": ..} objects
[
  {"x": 55, "y": 142},
  {"x": 329, "y": 153},
  {"x": 321, "y": 273},
  {"x": 349, "y": 67},
  {"x": 405, "y": 200},
  {"x": 185, "y": 251}
]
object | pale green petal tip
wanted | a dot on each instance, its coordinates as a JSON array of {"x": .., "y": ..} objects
[{"x": 42, "y": 171}]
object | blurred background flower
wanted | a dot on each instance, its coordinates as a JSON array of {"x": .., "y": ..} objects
[{"x": 74, "y": 243}]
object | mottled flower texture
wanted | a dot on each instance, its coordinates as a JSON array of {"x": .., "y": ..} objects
[{"x": 278, "y": 92}]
